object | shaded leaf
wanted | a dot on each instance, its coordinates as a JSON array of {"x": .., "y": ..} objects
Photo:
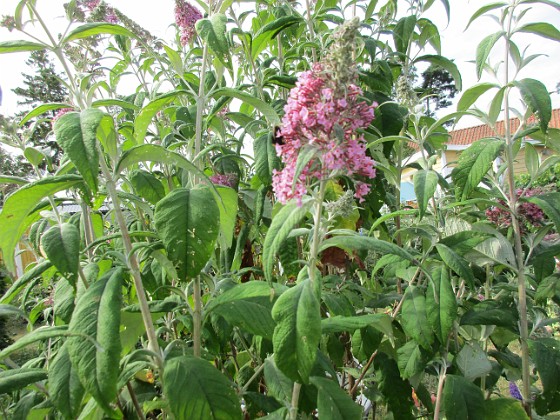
[
  {"x": 462, "y": 400},
  {"x": 15, "y": 379},
  {"x": 65, "y": 389},
  {"x": 441, "y": 304},
  {"x": 333, "y": 403},
  {"x": 61, "y": 244},
  {"x": 414, "y": 318}
]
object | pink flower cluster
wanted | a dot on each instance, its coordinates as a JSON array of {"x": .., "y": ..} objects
[
  {"x": 186, "y": 16},
  {"x": 321, "y": 115},
  {"x": 109, "y": 13},
  {"x": 529, "y": 213},
  {"x": 60, "y": 113},
  {"x": 8, "y": 22},
  {"x": 227, "y": 180}
]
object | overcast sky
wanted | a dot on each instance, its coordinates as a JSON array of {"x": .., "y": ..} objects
[{"x": 456, "y": 43}]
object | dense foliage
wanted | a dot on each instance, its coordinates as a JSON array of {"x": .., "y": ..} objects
[{"x": 236, "y": 245}]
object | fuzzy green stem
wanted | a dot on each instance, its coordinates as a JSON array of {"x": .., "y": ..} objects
[
  {"x": 441, "y": 381},
  {"x": 197, "y": 318},
  {"x": 295, "y": 401}
]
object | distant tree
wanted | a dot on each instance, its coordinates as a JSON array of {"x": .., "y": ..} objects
[
  {"x": 438, "y": 88},
  {"x": 44, "y": 85}
]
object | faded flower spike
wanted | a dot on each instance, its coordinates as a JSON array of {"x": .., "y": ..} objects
[{"x": 186, "y": 16}]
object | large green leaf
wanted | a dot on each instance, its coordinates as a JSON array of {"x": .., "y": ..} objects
[
  {"x": 473, "y": 165},
  {"x": 462, "y": 400},
  {"x": 550, "y": 204},
  {"x": 147, "y": 186},
  {"x": 404, "y": 29},
  {"x": 40, "y": 334},
  {"x": 504, "y": 409},
  {"x": 282, "y": 224},
  {"x": 536, "y": 96},
  {"x": 457, "y": 263},
  {"x": 62, "y": 246},
  {"x": 446, "y": 64},
  {"x": 65, "y": 390},
  {"x": 484, "y": 49},
  {"x": 77, "y": 135},
  {"x": 333, "y": 403},
  {"x": 338, "y": 323},
  {"x": 473, "y": 361},
  {"x": 97, "y": 317},
  {"x": 425, "y": 184},
  {"x": 97, "y": 28},
  {"x": 248, "y": 306},
  {"x": 268, "y": 111},
  {"x": 411, "y": 359},
  {"x": 414, "y": 318},
  {"x": 188, "y": 221},
  {"x": 297, "y": 334},
  {"x": 15, "y": 379},
  {"x": 20, "y": 46},
  {"x": 19, "y": 205},
  {"x": 196, "y": 390},
  {"x": 213, "y": 32},
  {"x": 546, "y": 30},
  {"x": 441, "y": 304}
]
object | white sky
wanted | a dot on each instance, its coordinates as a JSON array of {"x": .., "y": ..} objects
[{"x": 456, "y": 44}]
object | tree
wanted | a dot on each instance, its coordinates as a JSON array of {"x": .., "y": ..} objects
[
  {"x": 42, "y": 86},
  {"x": 438, "y": 87}
]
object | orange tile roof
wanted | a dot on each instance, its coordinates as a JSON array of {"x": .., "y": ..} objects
[{"x": 466, "y": 136}]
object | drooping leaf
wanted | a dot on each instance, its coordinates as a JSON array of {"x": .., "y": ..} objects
[
  {"x": 97, "y": 28},
  {"x": 543, "y": 29},
  {"x": 62, "y": 246},
  {"x": 65, "y": 390},
  {"x": 414, "y": 318},
  {"x": 188, "y": 221},
  {"x": 268, "y": 111},
  {"x": 474, "y": 163},
  {"x": 446, "y": 64},
  {"x": 462, "y": 400},
  {"x": 14, "y": 379},
  {"x": 470, "y": 95},
  {"x": 20, "y": 46},
  {"x": 457, "y": 263},
  {"x": 333, "y": 403},
  {"x": 19, "y": 205},
  {"x": 403, "y": 32},
  {"x": 213, "y": 31},
  {"x": 485, "y": 9},
  {"x": 40, "y": 334},
  {"x": 147, "y": 186},
  {"x": 248, "y": 306},
  {"x": 484, "y": 49},
  {"x": 21, "y": 282},
  {"x": 441, "y": 304},
  {"x": 536, "y": 96},
  {"x": 41, "y": 109},
  {"x": 282, "y": 224},
  {"x": 196, "y": 390},
  {"x": 298, "y": 331},
  {"x": 425, "y": 184},
  {"x": 144, "y": 118},
  {"x": 77, "y": 135},
  {"x": 270, "y": 31},
  {"x": 97, "y": 317}
]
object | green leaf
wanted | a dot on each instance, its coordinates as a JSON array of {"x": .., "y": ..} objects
[
  {"x": 338, "y": 323},
  {"x": 333, "y": 403},
  {"x": 147, "y": 186},
  {"x": 473, "y": 361},
  {"x": 270, "y": 31},
  {"x": 444, "y": 63},
  {"x": 536, "y": 96},
  {"x": 545, "y": 30},
  {"x": 550, "y": 204},
  {"x": 77, "y": 135},
  {"x": 41, "y": 109},
  {"x": 115, "y": 102},
  {"x": 531, "y": 160},
  {"x": 365, "y": 243},
  {"x": 546, "y": 355},
  {"x": 484, "y": 49},
  {"x": 8, "y": 179},
  {"x": 441, "y": 304},
  {"x": 462, "y": 400},
  {"x": 470, "y": 95},
  {"x": 20, "y": 204},
  {"x": 20, "y": 46},
  {"x": 504, "y": 409},
  {"x": 489, "y": 312},
  {"x": 21, "y": 282},
  {"x": 97, "y": 28},
  {"x": 248, "y": 306},
  {"x": 15, "y": 379},
  {"x": 155, "y": 153},
  {"x": 228, "y": 206},
  {"x": 414, "y": 318},
  {"x": 278, "y": 385},
  {"x": 474, "y": 163},
  {"x": 411, "y": 359},
  {"x": 297, "y": 334},
  {"x": 282, "y": 224},
  {"x": 62, "y": 246},
  {"x": 483, "y": 10},
  {"x": 404, "y": 29},
  {"x": 213, "y": 31},
  {"x": 144, "y": 117},
  {"x": 457, "y": 263},
  {"x": 196, "y": 390},
  {"x": 425, "y": 184},
  {"x": 40, "y": 334},
  {"x": 97, "y": 317},
  {"x": 266, "y": 159},
  {"x": 65, "y": 390},
  {"x": 268, "y": 111},
  {"x": 188, "y": 221},
  {"x": 552, "y": 3},
  {"x": 395, "y": 390}
]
